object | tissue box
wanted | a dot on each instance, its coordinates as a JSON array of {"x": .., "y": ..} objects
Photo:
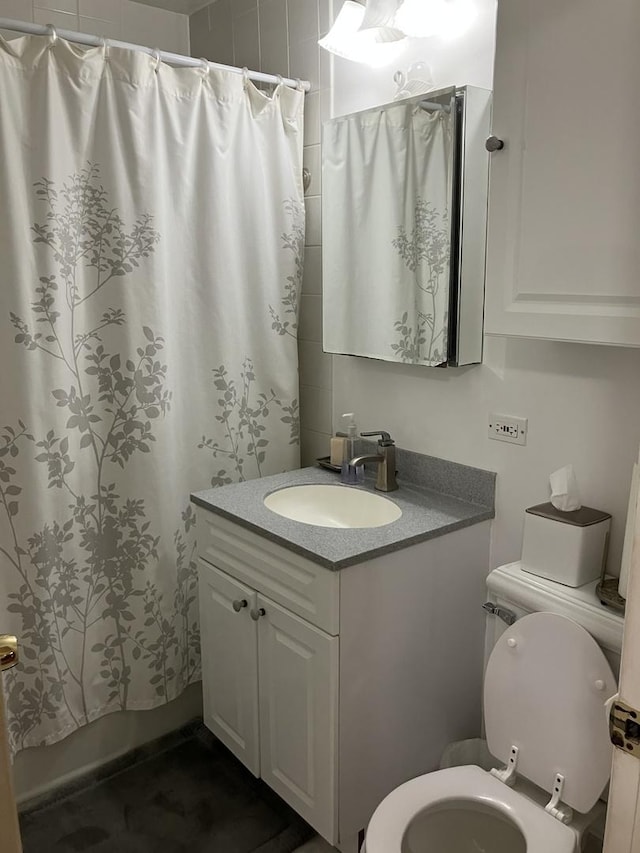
[{"x": 567, "y": 547}]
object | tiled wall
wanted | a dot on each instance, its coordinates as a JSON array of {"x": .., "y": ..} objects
[
  {"x": 281, "y": 37},
  {"x": 115, "y": 19}
]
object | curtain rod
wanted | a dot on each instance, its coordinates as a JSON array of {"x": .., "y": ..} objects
[{"x": 165, "y": 56}]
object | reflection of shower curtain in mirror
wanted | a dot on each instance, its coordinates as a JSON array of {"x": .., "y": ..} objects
[
  {"x": 388, "y": 180},
  {"x": 151, "y": 243}
]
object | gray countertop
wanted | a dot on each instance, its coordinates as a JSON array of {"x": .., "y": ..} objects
[{"x": 426, "y": 513}]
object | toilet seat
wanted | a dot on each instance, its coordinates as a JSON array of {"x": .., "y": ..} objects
[
  {"x": 389, "y": 823},
  {"x": 545, "y": 689}
]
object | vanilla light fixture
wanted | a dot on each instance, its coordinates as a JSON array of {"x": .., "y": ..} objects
[
  {"x": 375, "y": 46},
  {"x": 374, "y": 33},
  {"x": 379, "y": 20}
]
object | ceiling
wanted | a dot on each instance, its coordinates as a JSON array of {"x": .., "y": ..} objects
[{"x": 184, "y": 6}]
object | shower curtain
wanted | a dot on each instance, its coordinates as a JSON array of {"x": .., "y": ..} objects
[{"x": 151, "y": 256}]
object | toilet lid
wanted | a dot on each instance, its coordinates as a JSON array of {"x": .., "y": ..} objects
[{"x": 545, "y": 689}]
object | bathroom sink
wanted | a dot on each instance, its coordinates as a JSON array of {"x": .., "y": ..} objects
[{"x": 333, "y": 506}]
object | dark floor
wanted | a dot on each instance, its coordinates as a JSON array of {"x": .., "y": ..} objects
[{"x": 182, "y": 793}]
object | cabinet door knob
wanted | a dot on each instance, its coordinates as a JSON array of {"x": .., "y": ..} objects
[
  {"x": 494, "y": 144},
  {"x": 257, "y": 613},
  {"x": 239, "y": 603}
]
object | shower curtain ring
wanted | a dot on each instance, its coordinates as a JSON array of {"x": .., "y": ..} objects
[
  {"x": 53, "y": 33},
  {"x": 205, "y": 65},
  {"x": 245, "y": 76},
  {"x": 299, "y": 85},
  {"x": 155, "y": 53}
]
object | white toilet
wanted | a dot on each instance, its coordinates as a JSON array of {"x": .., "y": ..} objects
[{"x": 546, "y": 685}]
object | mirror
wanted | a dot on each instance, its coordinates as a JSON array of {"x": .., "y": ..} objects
[{"x": 402, "y": 279}]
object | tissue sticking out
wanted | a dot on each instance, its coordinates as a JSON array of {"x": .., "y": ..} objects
[{"x": 564, "y": 489}]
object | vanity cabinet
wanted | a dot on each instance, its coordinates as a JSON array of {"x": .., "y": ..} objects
[
  {"x": 334, "y": 687},
  {"x": 563, "y": 251},
  {"x": 270, "y": 677}
]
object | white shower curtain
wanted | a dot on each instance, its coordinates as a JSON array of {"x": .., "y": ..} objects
[
  {"x": 387, "y": 238},
  {"x": 151, "y": 256}
]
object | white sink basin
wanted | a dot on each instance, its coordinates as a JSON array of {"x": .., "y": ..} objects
[{"x": 333, "y": 506}]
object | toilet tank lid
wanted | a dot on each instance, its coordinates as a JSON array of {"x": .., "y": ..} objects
[
  {"x": 532, "y": 593},
  {"x": 545, "y": 689}
]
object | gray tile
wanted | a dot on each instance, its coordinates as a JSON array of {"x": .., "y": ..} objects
[
  {"x": 199, "y": 33},
  {"x": 326, "y": 15},
  {"x": 221, "y": 32},
  {"x": 99, "y": 27},
  {"x": 312, "y": 277},
  {"x": 57, "y": 5},
  {"x": 303, "y": 20},
  {"x": 220, "y": 43},
  {"x": 304, "y": 61},
  {"x": 315, "y": 408},
  {"x": 313, "y": 229},
  {"x": 18, "y": 10},
  {"x": 61, "y": 20},
  {"x": 239, "y": 7},
  {"x": 310, "y": 328},
  {"x": 316, "y": 366},
  {"x": 312, "y": 118},
  {"x": 274, "y": 49},
  {"x": 246, "y": 41},
  {"x": 106, "y": 10},
  {"x": 313, "y": 445}
]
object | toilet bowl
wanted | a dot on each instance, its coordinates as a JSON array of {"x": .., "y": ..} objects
[
  {"x": 452, "y": 810},
  {"x": 546, "y": 686}
]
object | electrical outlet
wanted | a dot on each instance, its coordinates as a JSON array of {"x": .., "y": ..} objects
[{"x": 506, "y": 428}]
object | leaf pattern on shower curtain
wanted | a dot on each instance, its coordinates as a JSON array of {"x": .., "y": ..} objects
[
  {"x": 83, "y": 578},
  {"x": 293, "y": 241},
  {"x": 243, "y": 411},
  {"x": 422, "y": 332}
]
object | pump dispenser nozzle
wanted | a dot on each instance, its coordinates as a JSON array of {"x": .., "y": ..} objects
[{"x": 350, "y": 475}]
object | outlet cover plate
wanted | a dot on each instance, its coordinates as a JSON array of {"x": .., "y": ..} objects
[{"x": 507, "y": 428}]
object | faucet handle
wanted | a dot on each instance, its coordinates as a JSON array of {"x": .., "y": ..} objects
[{"x": 385, "y": 440}]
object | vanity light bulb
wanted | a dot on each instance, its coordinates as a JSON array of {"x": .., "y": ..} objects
[
  {"x": 346, "y": 39},
  {"x": 379, "y": 20}
]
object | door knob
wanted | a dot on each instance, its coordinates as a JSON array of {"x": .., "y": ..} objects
[
  {"x": 493, "y": 143},
  {"x": 239, "y": 603},
  {"x": 256, "y": 614},
  {"x": 8, "y": 651}
]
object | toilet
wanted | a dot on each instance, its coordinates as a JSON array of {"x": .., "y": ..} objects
[{"x": 546, "y": 687}]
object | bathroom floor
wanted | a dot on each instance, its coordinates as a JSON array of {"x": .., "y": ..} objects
[{"x": 182, "y": 793}]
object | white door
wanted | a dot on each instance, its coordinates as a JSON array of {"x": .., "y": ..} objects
[
  {"x": 623, "y": 812},
  {"x": 230, "y": 663},
  {"x": 563, "y": 251},
  {"x": 9, "y": 827},
  {"x": 298, "y": 714}
]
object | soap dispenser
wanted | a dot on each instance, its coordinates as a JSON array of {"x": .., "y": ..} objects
[{"x": 352, "y": 476}]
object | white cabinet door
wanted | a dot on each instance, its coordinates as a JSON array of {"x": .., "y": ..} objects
[
  {"x": 563, "y": 250},
  {"x": 298, "y": 714},
  {"x": 230, "y": 663}
]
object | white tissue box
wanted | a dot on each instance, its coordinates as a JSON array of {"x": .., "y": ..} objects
[{"x": 567, "y": 547}]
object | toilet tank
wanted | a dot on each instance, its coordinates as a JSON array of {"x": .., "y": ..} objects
[{"x": 520, "y": 592}]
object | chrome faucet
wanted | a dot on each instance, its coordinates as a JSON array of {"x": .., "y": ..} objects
[{"x": 386, "y": 459}]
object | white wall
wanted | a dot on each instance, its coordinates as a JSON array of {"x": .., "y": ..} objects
[
  {"x": 582, "y": 402},
  {"x": 115, "y": 19}
]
